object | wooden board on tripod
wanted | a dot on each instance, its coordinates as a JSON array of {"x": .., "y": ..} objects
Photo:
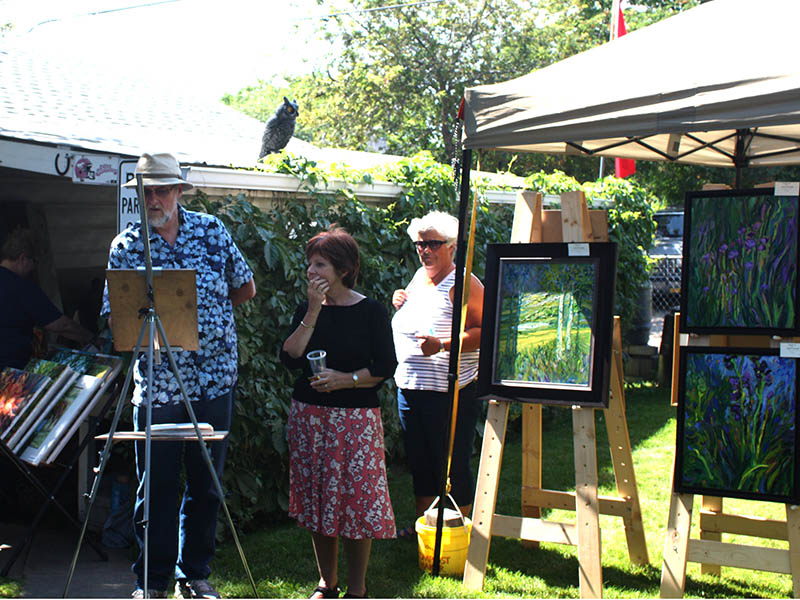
[{"x": 175, "y": 295}]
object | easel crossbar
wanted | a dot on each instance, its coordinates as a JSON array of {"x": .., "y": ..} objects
[
  {"x": 540, "y": 530},
  {"x": 608, "y": 505},
  {"x": 738, "y": 555},
  {"x": 714, "y": 522}
]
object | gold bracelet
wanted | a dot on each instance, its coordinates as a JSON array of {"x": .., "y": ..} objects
[{"x": 303, "y": 323}]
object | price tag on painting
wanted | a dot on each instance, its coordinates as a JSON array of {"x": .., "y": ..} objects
[
  {"x": 787, "y": 188},
  {"x": 579, "y": 249},
  {"x": 790, "y": 350}
]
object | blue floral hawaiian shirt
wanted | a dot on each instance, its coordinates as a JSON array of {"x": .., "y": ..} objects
[{"x": 203, "y": 244}]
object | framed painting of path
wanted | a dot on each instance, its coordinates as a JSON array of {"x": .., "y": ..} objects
[
  {"x": 547, "y": 321},
  {"x": 737, "y": 424},
  {"x": 740, "y": 258}
]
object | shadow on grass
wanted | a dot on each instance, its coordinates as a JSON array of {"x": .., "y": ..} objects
[{"x": 647, "y": 410}]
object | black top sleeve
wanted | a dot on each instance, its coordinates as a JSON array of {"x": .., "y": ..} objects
[{"x": 354, "y": 337}]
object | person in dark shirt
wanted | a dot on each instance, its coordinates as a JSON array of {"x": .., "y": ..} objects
[
  {"x": 337, "y": 469},
  {"x": 23, "y": 305}
]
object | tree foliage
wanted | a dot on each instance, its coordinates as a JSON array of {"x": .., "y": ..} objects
[{"x": 396, "y": 85}]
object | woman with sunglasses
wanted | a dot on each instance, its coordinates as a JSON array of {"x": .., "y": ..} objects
[{"x": 421, "y": 328}]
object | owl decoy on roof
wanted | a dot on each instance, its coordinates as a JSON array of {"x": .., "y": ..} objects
[{"x": 279, "y": 128}]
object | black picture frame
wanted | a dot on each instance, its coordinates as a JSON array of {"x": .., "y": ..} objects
[
  {"x": 579, "y": 375},
  {"x": 740, "y": 258},
  {"x": 719, "y": 403}
]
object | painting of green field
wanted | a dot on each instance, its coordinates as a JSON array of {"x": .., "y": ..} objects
[{"x": 545, "y": 322}]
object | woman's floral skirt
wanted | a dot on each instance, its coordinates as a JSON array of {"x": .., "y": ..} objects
[{"x": 337, "y": 472}]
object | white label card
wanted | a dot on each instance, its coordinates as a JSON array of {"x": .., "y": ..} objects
[
  {"x": 683, "y": 339},
  {"x": 581, "y": 249},
  {"x": 790, "y": 350},
  {"x": 787, "y": 188}
]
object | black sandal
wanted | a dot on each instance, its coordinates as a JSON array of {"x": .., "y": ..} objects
[
  {"x": 349, "y": 595},
  {"x": 326, "y": 592}
]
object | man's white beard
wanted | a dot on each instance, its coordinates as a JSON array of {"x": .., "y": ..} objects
[{"x": 159, "y": 222}]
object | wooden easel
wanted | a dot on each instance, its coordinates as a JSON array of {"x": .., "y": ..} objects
[
  {"x": 710, "y": 550},
  {"x": 573, "y": 223}
]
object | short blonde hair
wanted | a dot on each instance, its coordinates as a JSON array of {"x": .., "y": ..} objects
[{"x": 440, "y": 222}]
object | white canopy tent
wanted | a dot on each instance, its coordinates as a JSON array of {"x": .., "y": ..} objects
[{"x": 716, "y": 85}]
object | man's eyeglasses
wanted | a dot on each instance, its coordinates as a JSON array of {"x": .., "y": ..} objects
[
  {"x": 160, "y": 191},
  {"x": 434, "y": 245}
]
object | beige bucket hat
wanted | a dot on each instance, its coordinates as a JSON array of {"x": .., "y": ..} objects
[{"x": 158, "y": 169}]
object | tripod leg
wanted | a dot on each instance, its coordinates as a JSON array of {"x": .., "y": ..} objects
[
  {"x": 148, "y": 444},
  {"x": 206, "y": 454},
  {"x": 103, "y": 460}
]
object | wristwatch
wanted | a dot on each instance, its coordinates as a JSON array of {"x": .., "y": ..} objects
[
  {"x": 441, "y": 345},
  {"x": 355, "y": 380}
]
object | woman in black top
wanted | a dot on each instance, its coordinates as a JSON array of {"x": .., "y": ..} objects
[{"x": 336, "y": 456}]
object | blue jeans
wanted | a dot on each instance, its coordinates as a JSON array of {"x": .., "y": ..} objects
[
  {"x": 424, "y": 418},
  {"x": 185, "y": 554}
]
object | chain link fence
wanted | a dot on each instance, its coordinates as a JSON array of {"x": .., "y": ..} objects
[{"x": 666, "y": 279}]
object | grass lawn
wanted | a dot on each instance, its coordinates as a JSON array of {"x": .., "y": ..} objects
[{"x": 282, "y": 561}]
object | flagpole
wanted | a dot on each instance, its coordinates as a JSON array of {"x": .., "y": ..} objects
[{"x": 612, "y": 35}]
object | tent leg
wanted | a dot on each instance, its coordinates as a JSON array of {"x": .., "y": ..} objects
[{"x": 461, "y": 259}]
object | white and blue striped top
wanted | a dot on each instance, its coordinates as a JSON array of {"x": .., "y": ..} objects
[{"x": 428, "y": 310}]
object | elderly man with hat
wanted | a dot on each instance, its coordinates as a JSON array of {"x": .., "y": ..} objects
[{"x": 182, "y": 239}]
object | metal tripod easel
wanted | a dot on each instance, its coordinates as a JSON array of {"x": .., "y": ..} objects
[{"x": 153, "y": 327}]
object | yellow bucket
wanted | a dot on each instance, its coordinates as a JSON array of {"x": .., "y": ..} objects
[{"x": 455, "y": 543}]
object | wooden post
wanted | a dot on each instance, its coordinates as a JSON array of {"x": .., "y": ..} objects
[
  {"x": 527, "y": 224},
  {"x": 531, "y": 459},
  {"x": 576, "y": 227},
  {"x": 494, "y": 435},
  {"x": 621, "y": 455},
  {"x": 676, "y": 546},
  {"x": 527, "y": 228},
  {"x": 710, "y": 504},
  {"x": 793, "y": 534},
  {"x": 676, "y": 356},
  {"x": 590, "y": 568}
]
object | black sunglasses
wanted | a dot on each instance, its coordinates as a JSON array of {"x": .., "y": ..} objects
[{"x": 432, "y": 244}]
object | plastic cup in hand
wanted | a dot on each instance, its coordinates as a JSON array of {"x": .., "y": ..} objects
[{"x": 316, "y": 359}]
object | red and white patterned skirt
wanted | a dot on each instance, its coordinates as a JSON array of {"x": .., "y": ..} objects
[{"x": 337, "y": 472}]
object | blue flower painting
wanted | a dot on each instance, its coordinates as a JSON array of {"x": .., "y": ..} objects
[
  {"x": 741, "y": 267},
  {"x": 737, "y": 425}
]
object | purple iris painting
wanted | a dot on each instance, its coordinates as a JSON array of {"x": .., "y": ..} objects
[
  {"x": 741, "y": 262},
  {"x": 737, "y": 425}
]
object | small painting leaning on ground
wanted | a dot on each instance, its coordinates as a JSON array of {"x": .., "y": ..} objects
[
  {"x": 740, "y": 262},
  {"x": 540, "y": 331},
  {"x": 737, "y": 424}
]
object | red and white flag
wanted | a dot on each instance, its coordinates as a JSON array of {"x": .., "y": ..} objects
[{"x": 623, "y": 167}]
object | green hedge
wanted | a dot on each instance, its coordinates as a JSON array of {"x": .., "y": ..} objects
[{"x": 273, "y": 242}]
